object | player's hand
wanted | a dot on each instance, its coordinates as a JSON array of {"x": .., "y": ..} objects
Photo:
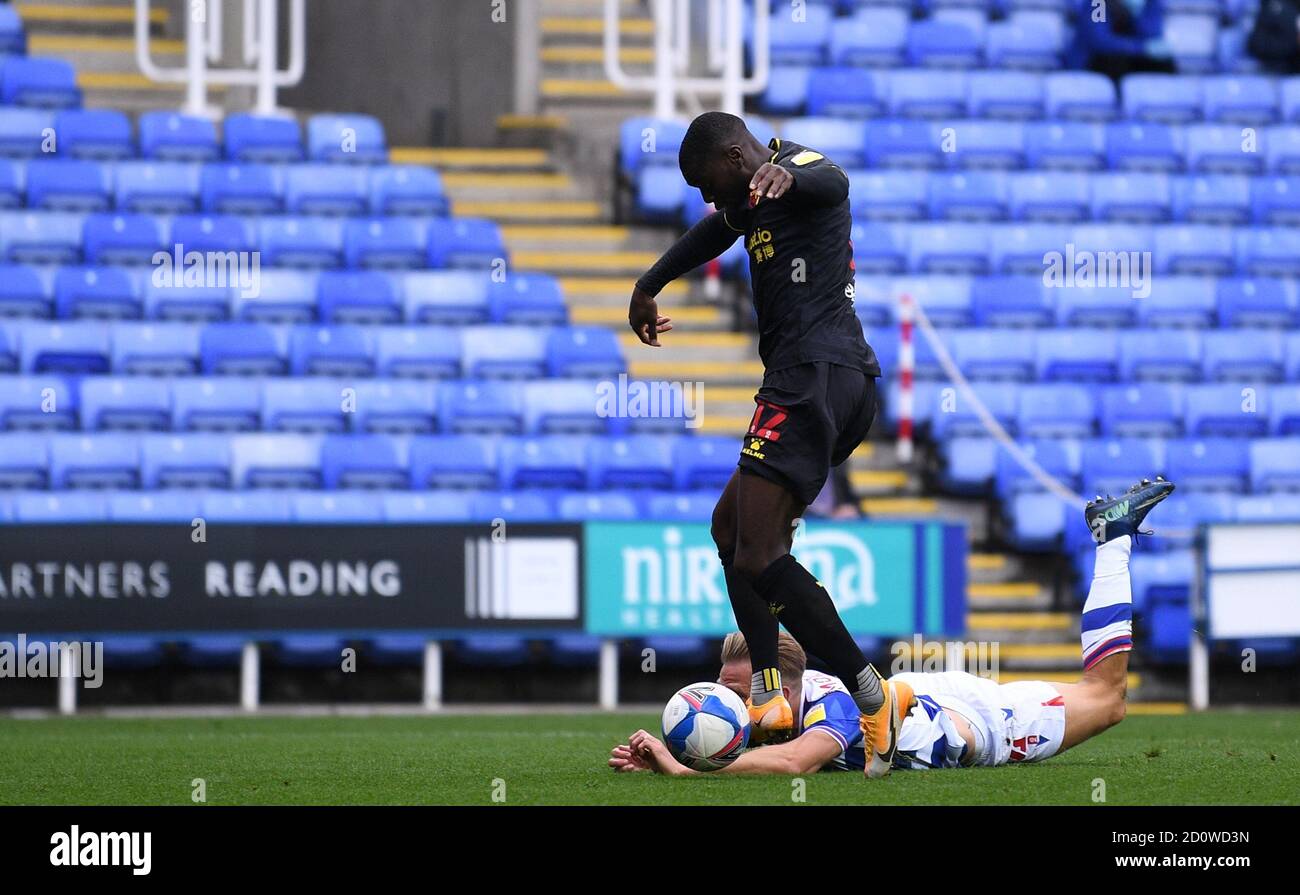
[
  {"x": 771, "y": 182},
  {"x": 643, "y": 316},
  {"x": 656, "y": 755},
  {"x": 622, "y": 759}
]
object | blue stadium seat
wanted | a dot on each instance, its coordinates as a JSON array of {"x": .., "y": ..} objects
[
  {"x": 481, "y": 407},
  {"x": 12, "y": 183},
  {"x": 456, "y": 461},
  {"x": 39, "y": 83},
  {"x": 1275, "y": 464},
  {"x": 216, "y": 404},
  {"x": 407, "y": 190},
  {"x": 1272, "y": 507},
  {"x": 395, "y": 406},
  {"x": 1227, "y": 409},
  {"x": 303, "y": 405},
  {"x": 212, "y": 233},
  {"x": 357, "y": 297},
  {"x": 1131, "y": 197},
  {"x": 275, "y": 461},
  {"x": 1141, "y": 410},
  {"x": 968, "y": 196},
  {"x": 446, "y": 297},
  {"x": 1054, "y": 411},
  {"x": 559, "y": 407},
  {"x": 1235, "y": 99},
  {"x": 1035, "y": 521},
  {"x": 584, "y": 351},
  {"x": 704, "y": 463},
  {"x": 1193, "y": 41},
  {"x": 787, "y": 90},
  {"x": 1111, "y": 465},
  {"x": 243, "y": 349},
  {"x": 693, "y": 507},
  {"x": 1194, "y": 249},
  {"x": 1161, "y": 578},
  {"x": 35, "y": 403},
  {"x": 1212, "y": 199},
  {"x": 529, "y": 507},
  {"x": 847, "y": 93},
  {"x": 894, "y": 143},
  {"x": 326, "y": 189},
  {"x": 873, "y": 37},
  {"x": 385, "y": 243},
  {"x": 1276, "y": 201},
  {"x": 1161, "y": 97},
  {"x": 365, "y": 461},
  {"x": 99, "y": 293},
  {"x": 1243, "y": 356},
  {"x": 1143, "y": 146},
  {"x": 1065, "y": 145},
  {"x": 65, "y": 348},
  {"x": 241, "y": 189},
  {"x": 122, "y": 238},
  {"x": 798, "y": 41},
  {"x": 429, "y": 506},
  {"x": 24, "y": 462},
  {"x": 1208, "y": 464},
  {"x": 969, "y": 464},
  {"x": 661, "y": 195},
  {"x": 504, "y": 352},
  {"x": 987, "y": 144},
  {"x": 1011, "y": 301},
  {"x": 1079, "y": 96},
  {"x": 125, "y": 403},
  {"x": 1020, "y": 248},
  {"x": 468, "y": 243},
  {"x": 1026, "y": 40},
  {"x": 247, "y": 508},
  {"x": 921, "y": 93},
  {"x": 41, "y": 237},
  {"x": 57, "y": 185},
  {"x": 1061, "y": 458},
  {"x": 25, "y": 291},
  {"x": 419, "y": 353},
  {"x": 13, "y": 39},
  {"x": 993, "y": 354},
  {"x": 1293, "y": 357},
  {"x": 1268, "y": 253},
  {"x": 646, "y": 141},
  {"x": 168, "y": 136},
  {"x": 999, "y": 398},
  {"x": 637, "y": 462},
  {"x": 946, "y": 44},
  {"x": 305, "y": 242},
  {"x": 1179, "y": 301},
  {"x": 158, "y": 187},
  {"x": 337, "y": 508},
  {"x": 1112, "y": 306},
  {"x": 96, "y": 461},
  {"x": 842, "y": 141},
  {"x": 1285, "y": 401},
  {"x": 949, "y": 248},
  {"x": 167, "y": 506},
  {"x": 596, "y": 507},
  {"x": 186, "y": 461},
  {"x": 1217, "y": 149},
  {"x": 357, "y": 139},
  {"x": 345, "y": 351},
  {"x": 1007, "y": 95},
  {"x": 1282, "y": 150},
  {"x": 557, "y": 461},
  {"x": 527, "y": 299},
  {"x": 23, "y": 132},
  {"x": 1039, "y": 196},
  {"x": 94, "y": 134},
  {"x": 879, "y": 248},
  {"x": 1160, "y": 355},
  {"x": 1258, "y": 302},
  {"x": 1078, "y": 354},
  {"x": 37, "y": 508},
  {"x": 257, "y": 138},
  {"x": 1183, "y": 510}
]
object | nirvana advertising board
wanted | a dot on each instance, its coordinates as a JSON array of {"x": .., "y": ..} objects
[
  {"x": 246, "y": 578},
  {"x": 885, "y": 578}
]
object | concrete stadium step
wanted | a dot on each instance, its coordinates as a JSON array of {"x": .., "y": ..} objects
[
  {"x": 477, "y": 158},
  {"x": 566, "y": 211},
  {"x": 103, "y": 53},
  {"x": 592, "y": 27},
  {"x": 628, "y": 263},
  {"x": 702, "y": 317},
  {"x": 85, "y": 16},
  {"x": 1009, "y": 595}
]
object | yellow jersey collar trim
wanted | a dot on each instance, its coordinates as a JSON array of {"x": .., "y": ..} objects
[{"x": 776, "y": 145}]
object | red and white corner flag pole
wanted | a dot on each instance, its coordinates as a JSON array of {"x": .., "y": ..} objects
[{"x": 906, "y": 364}]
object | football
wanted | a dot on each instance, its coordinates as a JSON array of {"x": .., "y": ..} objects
[{"x": 706, "y": 726}]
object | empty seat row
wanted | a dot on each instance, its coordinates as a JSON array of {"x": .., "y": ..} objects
[
  {"x": 281, "y": 295},
  {"x": 365, "y": 462},
  {"x": 1063, "y": 410},
  {"x": 57, "y": 184},
  {"x": 979, "y": 465},
  {"x": 56, "y": 237},
  {"x": 107, "y": 134},
  {"x": 991, "y": 248},
  {"x": 1026, "y": 301},
  {"x": 249, "y": 349}
]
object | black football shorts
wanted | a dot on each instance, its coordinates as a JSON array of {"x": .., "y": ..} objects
[{"x": 809, "y": 418}]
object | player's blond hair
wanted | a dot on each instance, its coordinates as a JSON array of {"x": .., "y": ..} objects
[{"x": 790, "y": 658}]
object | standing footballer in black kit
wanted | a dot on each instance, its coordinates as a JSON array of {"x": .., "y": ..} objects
[{"x": 815, "y": 405}]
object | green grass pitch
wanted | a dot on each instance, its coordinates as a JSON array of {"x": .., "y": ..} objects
[{"x": 1215, "y": 758}]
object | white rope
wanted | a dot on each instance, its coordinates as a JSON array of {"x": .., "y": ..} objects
[{"x": 990, "y": 423}]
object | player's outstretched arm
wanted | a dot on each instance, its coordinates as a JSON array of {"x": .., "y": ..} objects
[
  {"x": 702, "y": 243},
  {"x": 805, "y": 754}
]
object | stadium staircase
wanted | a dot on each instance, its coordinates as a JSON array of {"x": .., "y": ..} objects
[{"x": 1015, "y": 600}]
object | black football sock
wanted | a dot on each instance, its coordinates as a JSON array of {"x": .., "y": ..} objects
[
  {"x": 759, "y": 627},
  {"x": 800, "y": 602}
]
